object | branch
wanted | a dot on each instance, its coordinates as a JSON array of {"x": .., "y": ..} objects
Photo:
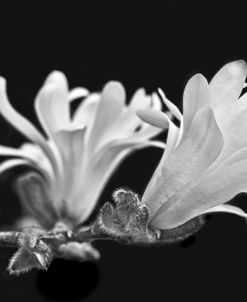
[{"x": 125, "y": 221}]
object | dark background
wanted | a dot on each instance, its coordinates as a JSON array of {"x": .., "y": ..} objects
[{"x": 150, "y": 46}]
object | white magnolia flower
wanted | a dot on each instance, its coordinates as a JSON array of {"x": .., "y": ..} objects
[
  {"x": 79, "y": 153},
  {"x": 205, "y": 161}
]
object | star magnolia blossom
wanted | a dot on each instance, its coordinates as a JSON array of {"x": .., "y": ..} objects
[
  {"x": 205, "y": 161},
  {"x": 81, "y": 151}
]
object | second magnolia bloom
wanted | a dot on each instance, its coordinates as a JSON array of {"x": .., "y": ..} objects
[
  {"x": 205, "y": 161},
  {"x": 74, "y": 160}
]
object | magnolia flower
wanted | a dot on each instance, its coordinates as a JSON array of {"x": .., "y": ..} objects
[
  {"x": 77, "y": 155},
  {"x": 205, "y": 162}
]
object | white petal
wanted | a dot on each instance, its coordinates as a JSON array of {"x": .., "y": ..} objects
[
  {"x": 154, "y": 118},
  {"x": 193, "y": 156},
  {"x": 108, "y": 112},
  {"x": 157, "y": 144},
  {"x": 76, "y": 93},
  {"x": 196, "y": 96},
  {"x": 86, "y": 111},
  {"x": 52, "y": 105},
  {"x": 232, "y": 121},
  {"x": 128, "y": 122},
  {"x": 140, "y": 100},
  {"x": 156, "y": 102},
  {"x": 173, "y": 108}
]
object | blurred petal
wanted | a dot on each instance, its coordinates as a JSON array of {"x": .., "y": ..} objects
[
  {"x": 140, "y": 100},
  {"x": 71, "y": 146},
  {"x": 108, "y": 112},
  {"x": 85, "y": 113},
  {"x": 34, "y": 195},
  {"x": 173, "y": 108},
  {"x": 15, "y": 119},
  {"x": 76, "y": 93},
  {"x": 26, "y": 152},
  {"x": 155, "y": 144},
  {"x": 26, "y": 222},
  {"x": 199, "y": 148},
  {"x": 156, "y": 102},
  {"x": 23, "y": 125},
  {"x": 52, "y": 105},
  {"x": 128, "y": 122},
  {"x": 11, "y": 163},
  {"x": 154, "y": 118}
]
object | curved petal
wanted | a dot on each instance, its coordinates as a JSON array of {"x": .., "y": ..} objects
[
  {"x": 32, "y": 154},
  {"x": 23, "y": 125},
  {"x": 11, "y": 163},
  {"x": 76, "y": 93},
  {"x": 227, "y": 208},
  {"x": 15, "y": 119},
  {"x": 156, "y": 144},
  {"x": 200, "y": 147}
]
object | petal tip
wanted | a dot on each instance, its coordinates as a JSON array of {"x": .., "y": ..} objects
[
  {"x": 153, "y": 117},
  {"x": 115, "y": 89},
  {"x": 56, "y": 76}
]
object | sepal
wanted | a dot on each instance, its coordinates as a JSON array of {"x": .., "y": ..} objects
[{"x": 32, "y": 253}]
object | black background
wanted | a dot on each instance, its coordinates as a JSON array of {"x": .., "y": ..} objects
[{"x": 150, "y": 46}]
